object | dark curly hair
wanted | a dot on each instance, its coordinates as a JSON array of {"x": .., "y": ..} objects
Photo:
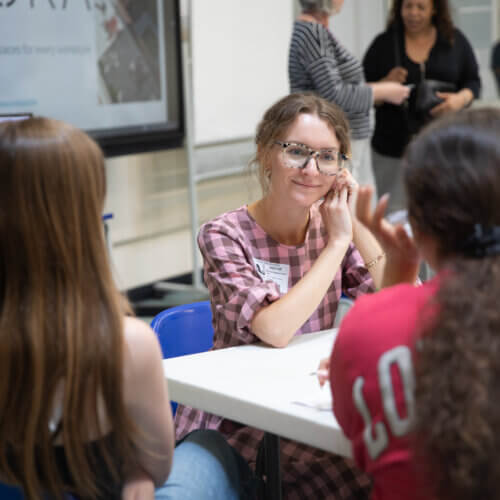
[
  {"x": 452, "y": 177},
  {"x": 441, "y": 19}
]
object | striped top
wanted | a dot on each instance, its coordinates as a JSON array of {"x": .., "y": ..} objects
[{"x": 317, "y": 62}]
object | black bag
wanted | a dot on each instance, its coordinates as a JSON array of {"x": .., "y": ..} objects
[{"x": 425, "y": 94}]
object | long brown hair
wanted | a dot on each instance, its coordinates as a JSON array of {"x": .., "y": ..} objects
[
  {"x": 452, "y": 176},
  {"x": 280, "y": 116},
  {"x": 61, "y": 317},
  {"x": 441, "y": 18}
]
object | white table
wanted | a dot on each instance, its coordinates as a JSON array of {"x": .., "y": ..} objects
[{"x": 256, "y": 385}]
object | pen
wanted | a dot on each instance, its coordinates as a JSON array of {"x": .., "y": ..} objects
[{"x": 323, "y": 373}]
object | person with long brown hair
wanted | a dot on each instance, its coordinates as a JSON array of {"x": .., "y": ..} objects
[
  {"x": 423, "y": 49},
  {"x": 447, "y": 327},
  {"x": 84, "y": 402}
]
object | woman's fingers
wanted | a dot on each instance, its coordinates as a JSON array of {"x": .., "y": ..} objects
[
  {"x": 330, "y": 196},
  {"x": 343, "y": 192},
  {"x": 345, "y": 178},
  {"x": 323, "y": 371},
  {"x": 337, "y": 194},
  {"x": 405, "y": 241}
]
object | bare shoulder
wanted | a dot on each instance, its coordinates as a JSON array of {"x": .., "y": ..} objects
[
  {"x": 141, "y": 346},
  {"x": 146, "y": 398},
  {"x": 137, "y": 331}
]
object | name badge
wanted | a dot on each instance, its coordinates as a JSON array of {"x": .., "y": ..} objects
[{"x": 277, "y": 273}]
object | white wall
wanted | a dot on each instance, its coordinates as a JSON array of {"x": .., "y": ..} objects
[
  {"x": 358, "y": 23},
  {"x": 239, "y": 51},
  {"x": 150, "y": 232},
  {"x": 478, "y": 20},
  {"x": 239, "y": 69},
  {"x": 239, "y": 56}
]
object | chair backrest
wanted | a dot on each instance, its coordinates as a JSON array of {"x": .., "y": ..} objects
[
  {"x": 345, "y": 303},
  {"x": 184, "y": 329},
  {"x": 8, "y": 492}
]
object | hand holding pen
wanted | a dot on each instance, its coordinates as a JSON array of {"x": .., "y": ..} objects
[{"x": 323, "y": 371}]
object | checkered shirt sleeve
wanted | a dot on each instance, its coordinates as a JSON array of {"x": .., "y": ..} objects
[
  {"x": 237, "y": 292},
  {"x": 229, "y": 245},
  {"x": 356, "y": 279}
]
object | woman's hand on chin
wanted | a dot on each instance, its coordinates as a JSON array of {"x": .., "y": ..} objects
[
  {"x": 336, "y": 215},
  {"x": 402, "y": 256},
  {"x": 345, "y": 180}
]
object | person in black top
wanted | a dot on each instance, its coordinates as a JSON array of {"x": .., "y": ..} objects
[
  {"x": 420, "y": 43},
  {"x": 495, "y": 64}
]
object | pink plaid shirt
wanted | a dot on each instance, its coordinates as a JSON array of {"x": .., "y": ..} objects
[{"x": 229, "y": 244}]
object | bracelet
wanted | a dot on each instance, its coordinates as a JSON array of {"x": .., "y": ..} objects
[
  {"x": 374, "y": 261},
  {"x": 466, "y": 101}
]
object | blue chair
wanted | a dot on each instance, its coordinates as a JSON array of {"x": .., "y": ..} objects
[
  {"x": 184, "y": 329},
  {"x": 13, "y": 493},
  {"x": 187, "y": 329},
  {"x": 345, "y": 303},
  {"x": 10, "y": 493}
]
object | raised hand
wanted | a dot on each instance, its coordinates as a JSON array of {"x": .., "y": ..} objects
[{"x": 402, "y": 257}]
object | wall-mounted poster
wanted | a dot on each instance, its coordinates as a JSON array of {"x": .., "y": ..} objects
[{"x": 110, "y": 67}]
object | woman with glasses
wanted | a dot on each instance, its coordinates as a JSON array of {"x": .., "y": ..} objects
[
  {"x": 277, "y": 268},
  {"x": 318, "y": 62}
]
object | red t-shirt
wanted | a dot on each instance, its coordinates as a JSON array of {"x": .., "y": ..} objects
[{"x": 372, "y": 380}]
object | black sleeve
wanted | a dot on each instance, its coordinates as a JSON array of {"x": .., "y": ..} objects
[
  {"x": 495, "y": 56},
  {"x": 469, "y": 73},
  {"x": 377, "y": 61}
]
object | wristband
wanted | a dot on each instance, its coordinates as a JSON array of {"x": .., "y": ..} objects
[{"x": 374, "y": 261}]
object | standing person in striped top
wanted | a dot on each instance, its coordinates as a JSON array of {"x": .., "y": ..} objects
[
  {"x": 277, "y": 267},
  {"x": 318, "y": 62}
]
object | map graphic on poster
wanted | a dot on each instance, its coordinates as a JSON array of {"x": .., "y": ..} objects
[{"x": 98, "y": 64}]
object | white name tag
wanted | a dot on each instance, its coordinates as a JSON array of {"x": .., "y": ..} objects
[{"x": 277, "y": 273}]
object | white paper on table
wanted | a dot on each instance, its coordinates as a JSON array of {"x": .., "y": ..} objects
[{"x": 316, "y": 397}]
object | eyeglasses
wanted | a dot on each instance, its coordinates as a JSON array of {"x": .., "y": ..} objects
[{"x": 328, "y": 161}]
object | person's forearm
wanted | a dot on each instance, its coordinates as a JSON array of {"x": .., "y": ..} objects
[
  {"x": 139, "y": 485},
  {"x": 379, "y": 91},
  {"x": 394, "y": 275},
  {"x": 467, "y": 97},
  {"x": 370, "y": 250},
  {"x": 277, "y": 323}
]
